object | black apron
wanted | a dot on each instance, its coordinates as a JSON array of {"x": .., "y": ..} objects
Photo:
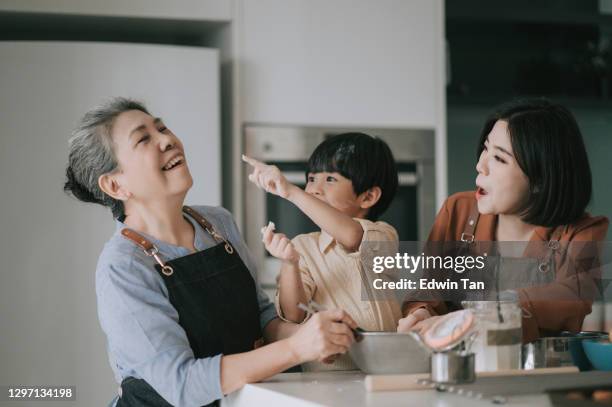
[{"x": 216, "y": 300}]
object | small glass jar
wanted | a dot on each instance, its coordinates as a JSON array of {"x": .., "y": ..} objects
[{"x": 498, "y": 343}]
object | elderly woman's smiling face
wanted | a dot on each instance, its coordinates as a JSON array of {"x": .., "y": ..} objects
[{"x": 151, "y": 160}]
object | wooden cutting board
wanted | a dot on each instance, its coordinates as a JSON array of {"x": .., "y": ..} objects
[{"x": 411, "y": 381}]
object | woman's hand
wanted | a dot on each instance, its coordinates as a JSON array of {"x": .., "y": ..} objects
[
  {"x": 269, "y": 178},
  {"x": 326, "y": 334},
  {"x": 279, "y": 245},
  {"x": 412, "y": 321},
  {"x": 423, "y": 326}
]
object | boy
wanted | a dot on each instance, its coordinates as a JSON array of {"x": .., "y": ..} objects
[{"x": 351, "y": 180}]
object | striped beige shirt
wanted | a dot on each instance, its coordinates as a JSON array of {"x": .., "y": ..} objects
[{"x": 333, "y": 278}]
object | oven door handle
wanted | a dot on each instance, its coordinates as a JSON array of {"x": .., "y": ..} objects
[
  {"x": 404, "y": 178},
  {"x": 407, "y": 179},
  {"x": 295, "y": 177}
]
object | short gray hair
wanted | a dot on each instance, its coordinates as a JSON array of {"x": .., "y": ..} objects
[{"x": 91, "y": 153}]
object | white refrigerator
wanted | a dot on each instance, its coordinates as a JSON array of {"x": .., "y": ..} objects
[{"x": 49, "y": 243}]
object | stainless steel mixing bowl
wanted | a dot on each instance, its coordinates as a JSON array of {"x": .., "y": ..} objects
[{"x": 390, "y": 353}]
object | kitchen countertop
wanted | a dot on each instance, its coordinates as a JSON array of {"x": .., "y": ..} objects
[{"x": 347, "y": 389}]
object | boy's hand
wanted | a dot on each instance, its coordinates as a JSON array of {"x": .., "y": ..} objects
[
  {"x": 269, "y": 178},
  {"x": 279, "y": 245}
]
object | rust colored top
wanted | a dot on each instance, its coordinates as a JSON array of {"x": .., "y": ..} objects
[{"x": 546, "y": 316}]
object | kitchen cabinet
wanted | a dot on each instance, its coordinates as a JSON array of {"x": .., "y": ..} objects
[
  {"x": 342, "y": 62},
  {"x": 212, "y": 10}
]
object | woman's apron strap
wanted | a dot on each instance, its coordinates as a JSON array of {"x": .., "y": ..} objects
[
  {"x": 553, "y": 247},
  {"x": 145, "y": 244},
  {"x": 469, "y": 232},
  {"x": 137, "y": 238},
  {"x": 149, "y": 249},
  {"x": 206, "y": 225}
]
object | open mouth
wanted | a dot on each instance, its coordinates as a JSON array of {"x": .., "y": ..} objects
[
  {"x": 173, "y": 163},
  {"x": 480, "y": 192}
]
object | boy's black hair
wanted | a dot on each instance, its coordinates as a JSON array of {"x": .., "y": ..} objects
[
  {"x": 367, "y": 161},
  {"x": 548, "y": 147}
]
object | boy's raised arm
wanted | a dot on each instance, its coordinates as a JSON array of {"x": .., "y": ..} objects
[{"x": 347, "y": 231}]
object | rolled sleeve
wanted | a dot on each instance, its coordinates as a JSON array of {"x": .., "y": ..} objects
[
  {"x": 375, "y": 232},
  {"x": 145, "y": 337},
  {"x": 278, "y": 308},
  {"x": 281, "y": 315}
]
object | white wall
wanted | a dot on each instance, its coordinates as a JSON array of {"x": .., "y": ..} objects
[{"x": 49, "y": 245}]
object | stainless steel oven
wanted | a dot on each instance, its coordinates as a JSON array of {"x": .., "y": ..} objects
[{"x": 411, "y": 212}]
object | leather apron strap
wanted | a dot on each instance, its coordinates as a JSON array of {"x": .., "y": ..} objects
[
  {"x": 553, "y": 245},
  {"x": 206, "y": 225},
  {"x": 151, "y": 250},
  {"x": 469, "y": 232}
]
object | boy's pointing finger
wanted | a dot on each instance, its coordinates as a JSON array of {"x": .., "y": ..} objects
[{"x": 252, "y": 161}]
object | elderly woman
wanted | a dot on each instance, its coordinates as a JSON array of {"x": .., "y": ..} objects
[{"x": 177, "y": 300}]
